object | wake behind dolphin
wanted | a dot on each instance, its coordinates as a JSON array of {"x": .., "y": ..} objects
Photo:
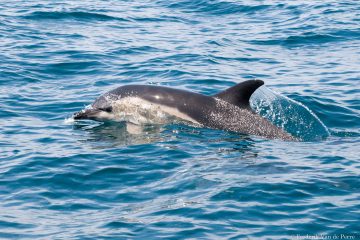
[{"x": 228, "y": 110}]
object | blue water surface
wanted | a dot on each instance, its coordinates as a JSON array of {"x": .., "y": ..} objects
[{"x": 91, "y": 180}]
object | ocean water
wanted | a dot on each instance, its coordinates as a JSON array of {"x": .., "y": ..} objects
[{"x": 91, "y": 180}]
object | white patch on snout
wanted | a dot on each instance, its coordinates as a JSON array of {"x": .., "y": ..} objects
[
  {"x": 139, "y": 111},
  {"x": 106, "y": 115}
]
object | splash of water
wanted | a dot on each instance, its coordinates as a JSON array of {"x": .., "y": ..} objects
[
  {"x": 69, "y": 120},
  {"x": 290, "y": 115}
]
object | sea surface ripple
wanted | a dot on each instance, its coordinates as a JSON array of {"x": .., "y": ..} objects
[{"x": 90, "y": 180}]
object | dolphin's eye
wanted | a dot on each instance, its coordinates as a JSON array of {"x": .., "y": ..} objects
[{"x": 107, "y": 109}]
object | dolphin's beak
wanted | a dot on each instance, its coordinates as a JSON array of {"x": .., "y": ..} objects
[{"x": 86, "y": 114}]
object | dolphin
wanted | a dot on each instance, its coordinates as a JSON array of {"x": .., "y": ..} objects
[{"x": 228, "y": 110}]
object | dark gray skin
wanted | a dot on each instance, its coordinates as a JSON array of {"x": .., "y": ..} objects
[{"x": 228, "y": 110}]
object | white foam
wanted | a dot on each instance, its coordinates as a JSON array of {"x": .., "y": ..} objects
[{"x": 69, "y": 120}]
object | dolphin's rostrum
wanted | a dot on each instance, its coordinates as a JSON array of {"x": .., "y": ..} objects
[{"x": 227, "y": 110}]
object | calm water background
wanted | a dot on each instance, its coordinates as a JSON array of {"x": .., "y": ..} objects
[{"x": 92, "y": 180}]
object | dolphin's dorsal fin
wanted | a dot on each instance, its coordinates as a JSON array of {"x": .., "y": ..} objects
[{"x": 240, "y": 94}]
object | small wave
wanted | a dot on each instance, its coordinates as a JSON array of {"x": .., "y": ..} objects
[
  {"x": 310, "y": 38},
  {"x": 299, "y": 40},
  {"x": 135, "y": 50},
  {"x": 164, "y": 18},
  {"x": 215, "y": 7},
  {"x": 56, "y": 15},
  {"x": 107, "y": 172},
  {"x": 71, "y": 67},
  {"x": 16, "y": 225}
]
